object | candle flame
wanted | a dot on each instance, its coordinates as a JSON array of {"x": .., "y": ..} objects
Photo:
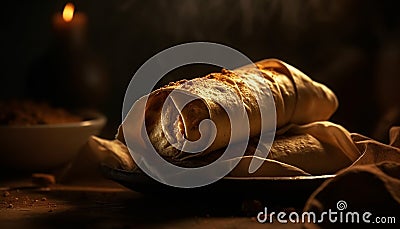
[{"x": 68, "y": 12}]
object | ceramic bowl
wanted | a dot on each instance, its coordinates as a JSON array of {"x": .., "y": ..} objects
[{"x": 44, "y": 147}]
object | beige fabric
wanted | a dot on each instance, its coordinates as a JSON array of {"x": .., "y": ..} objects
[
  {"x": 120, "y": 158},
  {"x": 318, "y": 148},
  {"x": 394, "y": 135},
  {"x": 302, "y": 153},
  {"x": 373, "y": 188},
  {"x": 371, "y": 184},
  {"x": 375, "y": 152},
  {"x": 114, "y": 153}
]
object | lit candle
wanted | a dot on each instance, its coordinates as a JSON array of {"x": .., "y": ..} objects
[
  {"x": 76, "y": 79},
  {"x": 70, "y": 26}
]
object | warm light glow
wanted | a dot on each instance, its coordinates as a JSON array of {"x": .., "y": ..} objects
[{"x": 68, "y": 12}]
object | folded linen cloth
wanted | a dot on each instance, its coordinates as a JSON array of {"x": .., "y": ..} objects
[
  {"x": 371, "y": 184},
  {"x": 369, "y": 191},
  {"x": 361, "y": 150}
]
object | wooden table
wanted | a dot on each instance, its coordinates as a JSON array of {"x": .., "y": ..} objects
[{"x": 105, "y": 204}]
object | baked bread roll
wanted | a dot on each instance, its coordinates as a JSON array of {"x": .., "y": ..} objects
[
  {"x": 304, "y": 144},
  {"x": 297, "y": 99}
]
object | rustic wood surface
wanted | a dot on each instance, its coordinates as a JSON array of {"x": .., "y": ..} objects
[{"x": 105, "y": 204}]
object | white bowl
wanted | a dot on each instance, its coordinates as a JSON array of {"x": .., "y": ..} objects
[{"x": 45, "y": 147}]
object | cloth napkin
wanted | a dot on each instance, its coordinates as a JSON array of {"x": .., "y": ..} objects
[
  {"x": 357, "y": 148},
  {"x": 371, "y": 184}
]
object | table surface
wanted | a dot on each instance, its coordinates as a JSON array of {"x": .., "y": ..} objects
[{"x": 106, "y": 204}]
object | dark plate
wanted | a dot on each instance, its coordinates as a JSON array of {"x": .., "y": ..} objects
[{"x": 290, "y": 190}]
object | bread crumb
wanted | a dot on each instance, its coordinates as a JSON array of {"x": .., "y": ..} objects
[
  {"x": 43, "y": 179},
  {"x": 6, "y": 194}
]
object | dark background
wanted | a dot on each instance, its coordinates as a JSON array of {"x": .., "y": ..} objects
[{"x": 351, "y": 46}]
